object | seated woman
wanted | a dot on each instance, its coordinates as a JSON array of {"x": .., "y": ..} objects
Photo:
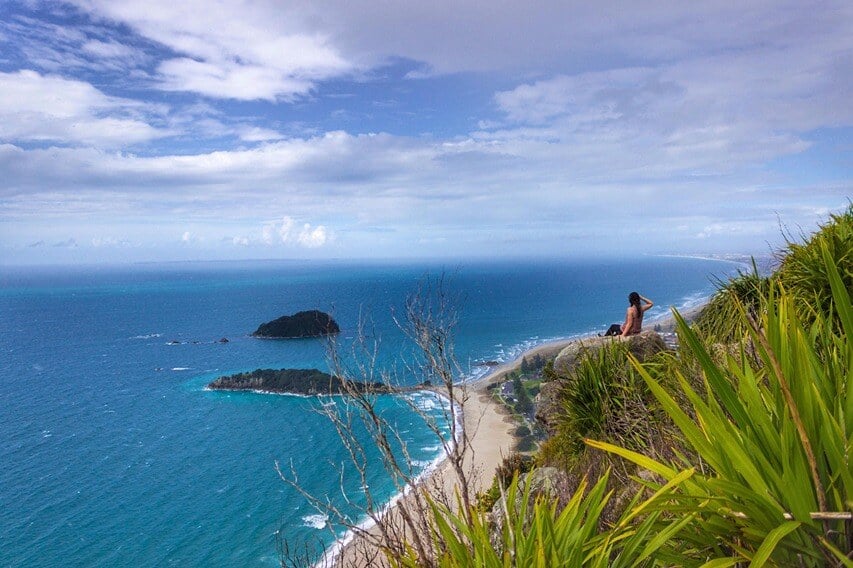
[{"x": 638, "y": 305}]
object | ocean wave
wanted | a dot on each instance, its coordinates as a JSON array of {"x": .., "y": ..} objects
[
  {"x": 685, "y": 304},
  {"x": 147, "y": 336},
  {"x": 180, "y": 368},
  {"x": 426, "y": 401},
  {"x": 334, "y": 551},
  {"x": 317, "y": 521},
  {"x": 508, "y": 354}
]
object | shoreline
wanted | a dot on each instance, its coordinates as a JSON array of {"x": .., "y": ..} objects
[
  {"x": 490, "y": 427},
  {"x": 488, "y": 446}
]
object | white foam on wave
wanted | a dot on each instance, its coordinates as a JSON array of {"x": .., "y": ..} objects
[
  {"x": 509, "y": 354},
  {"x": 147, "y": 336},
  {"x": 686, "y": 304},
  {"x": 180, "y": 368},
  {"x": 331, "y": 555},
  {"x": 317, "y": 521}
]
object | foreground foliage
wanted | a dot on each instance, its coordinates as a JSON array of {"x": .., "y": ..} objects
[
  {"x": 535, "y": 534},
  {"x": 801, "y": 272},
  {"x": 762, "y": 476},
  {"x": 775, "y": 439},
  {"x": 604, "y": 398}
]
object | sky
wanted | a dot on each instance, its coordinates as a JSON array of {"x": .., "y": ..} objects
[{"x": 233, "y": 129}]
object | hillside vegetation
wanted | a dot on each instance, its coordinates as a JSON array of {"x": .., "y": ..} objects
[{"x": 733, "y": 450}]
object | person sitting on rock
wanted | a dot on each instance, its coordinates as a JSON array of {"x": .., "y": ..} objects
[{"x": 638, "y": 305}]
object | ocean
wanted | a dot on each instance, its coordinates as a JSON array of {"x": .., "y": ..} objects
[{"x": 114, "y": 454}]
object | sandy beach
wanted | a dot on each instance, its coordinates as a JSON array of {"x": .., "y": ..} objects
[{"x": 490, "y": 429}]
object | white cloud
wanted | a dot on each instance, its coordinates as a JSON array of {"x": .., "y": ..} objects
[
  {"x": 283, "y": 233},
  {"x": 257, "y": 134},
  {"x": 617, "y": 122},
  {"x": 35, "y": 107},
  {"x": 264, "y": 52},
  {"x": 702, "y": 116},
  {"x": 110, "y": 241},
  {"x": 267, "y": 233},
  {"x": 450, "y": 36},
  {"x": 285, "y": 229},
  {"x": 715, "y": 230},
  {"x": 109, "y": 49},
  {"x": 312, "y": 237}
]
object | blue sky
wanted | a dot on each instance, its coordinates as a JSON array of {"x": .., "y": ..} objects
[{"x": 163, "y": 130}]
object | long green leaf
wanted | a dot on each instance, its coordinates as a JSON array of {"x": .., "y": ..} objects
[
  {"x": 638, "y": 458},
  {"x": 769, "y": 545}
]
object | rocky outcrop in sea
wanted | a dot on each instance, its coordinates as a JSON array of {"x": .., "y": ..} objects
[
  {"x": 306, "y": 382},
  {"x": 310, "y": 323}
]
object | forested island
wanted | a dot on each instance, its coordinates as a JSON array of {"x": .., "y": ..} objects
[
  {"x": 307, "y": 382},
  {"x": 310, "y": 323}
]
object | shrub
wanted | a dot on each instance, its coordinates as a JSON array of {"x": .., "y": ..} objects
[
  {"x": 773, "y": 440},
  {"x": 802, "y": 270},
  {"x": 603, "y": 398},
  {"x": 538, "y": 535},
  {"x": 720, "y": 321}
]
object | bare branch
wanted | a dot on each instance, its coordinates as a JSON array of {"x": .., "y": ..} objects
[{"x": 363, "y": 427}]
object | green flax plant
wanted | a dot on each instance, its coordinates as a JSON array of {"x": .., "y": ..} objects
[
  {"x": 604, "y": 398},
  {"x": 771, "y": 440},
  {"x": 534, "y": 534},
  {"x": 802, "y": 270},
  {"x": 720, "y": 320}
]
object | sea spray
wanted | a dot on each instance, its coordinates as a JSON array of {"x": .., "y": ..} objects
[{"x": 429, "y": 467}]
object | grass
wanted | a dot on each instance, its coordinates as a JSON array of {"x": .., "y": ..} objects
[
  {"x": 803, "y": 272},
  {"x": 774, "y": 439},
  {"x": 720, "y": 320},
  {"x": 604, "y": 398},
  {"x": 760, "y": 471}
]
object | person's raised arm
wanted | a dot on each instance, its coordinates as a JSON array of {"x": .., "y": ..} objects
[{"x": 648, "y": 302}]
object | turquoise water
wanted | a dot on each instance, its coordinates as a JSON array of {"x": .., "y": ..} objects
[{"x": 114, "y": 454}]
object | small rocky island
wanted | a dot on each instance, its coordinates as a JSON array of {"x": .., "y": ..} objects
[
  {"x": 311, "y": 323},
  {"x": 292, "y": 381}
]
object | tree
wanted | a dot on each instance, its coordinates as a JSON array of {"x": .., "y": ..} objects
[{"x": 428, "y": 322}]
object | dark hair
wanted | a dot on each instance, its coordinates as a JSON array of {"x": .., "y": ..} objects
[{"x": 634, "y": 299}]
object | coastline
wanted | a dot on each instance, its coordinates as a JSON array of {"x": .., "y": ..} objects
[{"x": 490, "y": 427}]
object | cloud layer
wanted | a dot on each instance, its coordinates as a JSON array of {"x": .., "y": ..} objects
[{"x": 225, "y": 129}]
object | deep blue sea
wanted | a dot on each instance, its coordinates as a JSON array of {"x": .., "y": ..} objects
[{"x": 113, "y": 454}]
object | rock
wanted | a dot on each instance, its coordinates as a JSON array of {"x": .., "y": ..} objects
[
  {"x": 548, "y": 406},
  {"x": 311, "y": 323},
  {"x": 568, "y": 357},
  {"x": 292, "y": 381},
  {"x": 223, "y": 340},
  {"x": 642, "y": 346},
  {"x": 645, "y": 345}
]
